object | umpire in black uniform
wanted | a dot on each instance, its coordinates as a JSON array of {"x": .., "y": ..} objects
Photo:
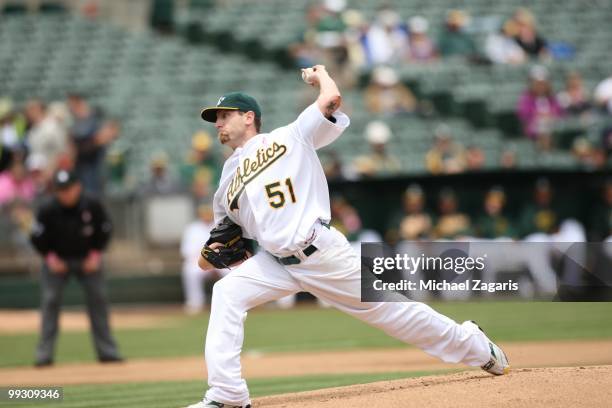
[{"x": 71, "y": 231}]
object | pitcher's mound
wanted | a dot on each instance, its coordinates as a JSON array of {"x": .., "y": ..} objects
[{"x": 575, "y": 387}]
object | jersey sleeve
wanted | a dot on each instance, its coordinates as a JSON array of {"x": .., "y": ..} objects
[{"x": 315, "y": 129}]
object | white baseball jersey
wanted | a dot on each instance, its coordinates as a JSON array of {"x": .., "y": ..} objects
[{"x": 274, "y": 186}]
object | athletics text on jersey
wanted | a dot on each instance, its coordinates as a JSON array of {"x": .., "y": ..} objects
[{"x": 274, "y": 186}]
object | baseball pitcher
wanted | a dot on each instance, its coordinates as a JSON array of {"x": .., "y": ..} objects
[{"x": 273, "y": 190}]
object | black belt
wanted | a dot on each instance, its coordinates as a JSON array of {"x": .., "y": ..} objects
[
  {"x": 294, "y": 260},
  {"x": 309, "y": 250}
]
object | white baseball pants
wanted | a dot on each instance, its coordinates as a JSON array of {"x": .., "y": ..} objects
[{"x": 332, "y": 274}]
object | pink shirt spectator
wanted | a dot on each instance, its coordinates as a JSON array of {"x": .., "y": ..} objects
[
  {"x": 12, "y": 189},
  {"x": 422, "y": 48},
  {"x": 537, "y": 113}
]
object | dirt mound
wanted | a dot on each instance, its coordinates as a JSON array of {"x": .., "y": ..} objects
[{"x": 528, "y": 387}]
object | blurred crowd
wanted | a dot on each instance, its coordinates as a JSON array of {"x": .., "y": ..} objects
[
  {"x": 196, "y": 175},
  {"x": 352, "y": 45},
  {"x": 541, "y": 110},
  {"x": 39, "y": 139},
  {"x": 347, "y": 41}
]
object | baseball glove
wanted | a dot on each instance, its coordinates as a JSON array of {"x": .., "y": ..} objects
[{"x": 234, "y": 247}]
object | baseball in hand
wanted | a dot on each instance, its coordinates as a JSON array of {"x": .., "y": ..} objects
[{"x": 307, "y": 76}]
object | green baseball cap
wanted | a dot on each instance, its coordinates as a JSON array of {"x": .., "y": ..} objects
[{"x": 232, "y": 101}]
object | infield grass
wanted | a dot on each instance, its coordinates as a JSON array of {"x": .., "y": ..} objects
[{"x": 310, "y": 328}]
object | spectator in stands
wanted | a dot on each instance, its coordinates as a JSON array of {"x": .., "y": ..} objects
[
  {"x": 356, "y": 31},
  {"x": 421, "y": 47},
  {"x": 90, "y": 9},
  {"x": 19, "y": 191},
  {"x": 21, "y": 219},
  {"x": 494, "y": 223},
  {"x": 386, "y": 42},
  {"x": 71, "y": 232},
  {"x": 194, "y": 237},
  {"x": 306, "y": 50},
  {"x": 329, "y": 37},
  {"x": 446, "y": 156},
  {"x": 10, "y": 134},
  {"x": 451, "y": 223},
  {"x": 379, "y": 161},
  {"x": 60, "y": 112},
  {"x": 201, "y": 159},
  {"x": 575, "y": 98},
  {"x": 502, "y": 48},
  {"x": 345, "y": 218},
  {"x": 414, "y": 222},
  {"x": 538, "y": 108},
  {"x": 116, "y": 170},
  {"x": 507, "y": 159},
  {"x": 474, "y": 158},
  {"x": 589, "y": 157},
  {"x": 527, "y": 37},
  {"x": 39, "y": 172},
  {"x": 540, "y": 216},
  {"x": 454, "y": 40},
  {"x": 386, "y": 95},
  {"x": 90, "y": 136},
  {"x": 603, "y": 95},
  {"x": 330, "y": 16},
  {"x": 46, "y": 136},
  {"x": 201, "y": 189},
  {"x": 16, "y": 184},
  {"x": 160, "y": 181},
  {"x": 601, "y": 215}
]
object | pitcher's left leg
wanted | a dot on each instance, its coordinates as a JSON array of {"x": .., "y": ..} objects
[{"x": 334, "y": 275}]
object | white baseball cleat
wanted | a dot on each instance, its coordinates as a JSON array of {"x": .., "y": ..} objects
[
  {"x": 498, "y": 364},
  {"x": 206, "y": 403}
]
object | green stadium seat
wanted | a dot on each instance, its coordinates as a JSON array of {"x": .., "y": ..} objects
[
  {"x": 475, "y": 111},
  {"x": 52, "y": 8},
  {"x": 509, "y": 124},
  {"x": 14, "y": 8},
  {"x": 444, "y": 102}
]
